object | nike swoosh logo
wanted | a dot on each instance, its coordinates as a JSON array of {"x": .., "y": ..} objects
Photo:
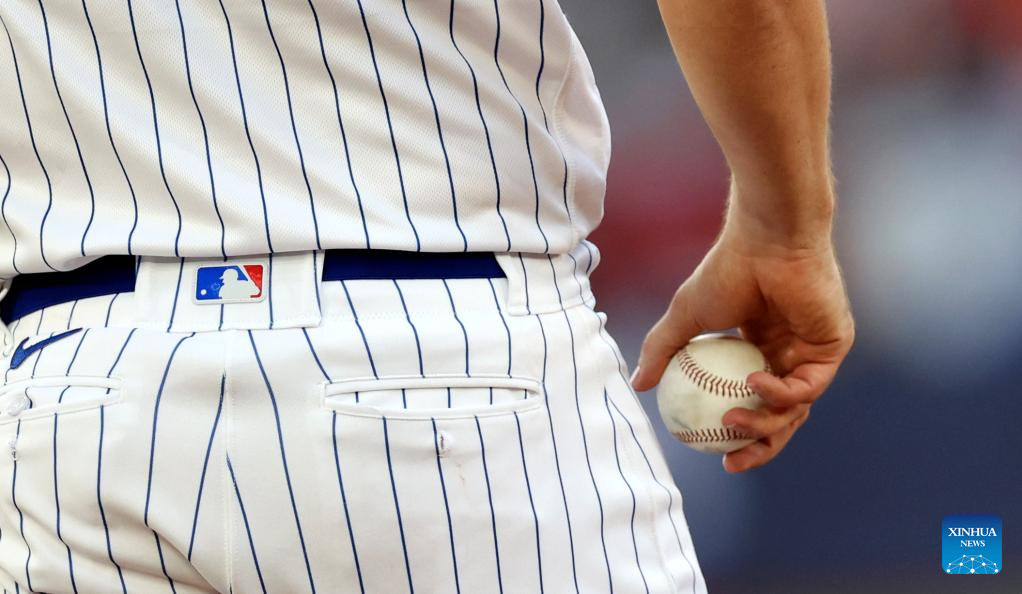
[{"x": 22, "y": 352}]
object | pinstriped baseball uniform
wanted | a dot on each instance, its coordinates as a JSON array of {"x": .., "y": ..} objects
[
  {"x": 217, "y": 127},
  {"x": 433, "y": 435}
]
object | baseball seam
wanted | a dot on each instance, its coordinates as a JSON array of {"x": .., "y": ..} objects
[
  {"x": 710, "y": 435},
  {"x": 714, "y": 384}
]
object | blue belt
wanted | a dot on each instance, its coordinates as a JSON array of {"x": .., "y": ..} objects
[{"x": 116, "y": 274}]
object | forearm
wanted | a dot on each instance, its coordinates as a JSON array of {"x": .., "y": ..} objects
[{"x": 760, "y": 73}]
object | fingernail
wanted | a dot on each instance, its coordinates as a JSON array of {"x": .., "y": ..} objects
[{"x": 730, "y": 426}]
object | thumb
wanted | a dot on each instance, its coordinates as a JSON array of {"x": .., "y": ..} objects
[{"x": 671, "y": 332}]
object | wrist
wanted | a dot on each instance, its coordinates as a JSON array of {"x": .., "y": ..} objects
[{"x": 796, "y": 218}]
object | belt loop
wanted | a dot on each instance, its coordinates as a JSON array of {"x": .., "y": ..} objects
[
  {"x": 8, "y": 336},
  {"x": 544, "y": 283},
  {"x": 514, "y": 269}
]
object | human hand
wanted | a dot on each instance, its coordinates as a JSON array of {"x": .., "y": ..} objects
[{"x": 788, "y": 300}]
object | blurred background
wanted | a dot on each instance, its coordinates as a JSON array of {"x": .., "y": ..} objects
[{"x": 923, "y": 419}]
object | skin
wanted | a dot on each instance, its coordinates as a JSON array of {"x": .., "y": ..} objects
[{"x": 760, "y": 73}]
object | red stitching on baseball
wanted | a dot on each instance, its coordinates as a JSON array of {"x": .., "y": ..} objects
[
  {"x": 710, "y": 435},
  {"x": 714, "y": 384}
]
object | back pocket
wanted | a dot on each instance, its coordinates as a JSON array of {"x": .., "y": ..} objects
[
  {"x": 433, "y": 397},
  {"x": 44, "y": 397}
]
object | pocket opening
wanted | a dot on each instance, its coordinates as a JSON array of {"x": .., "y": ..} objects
[
  {"x": 38, "y": 398},
  {"x": 436, "y": 397}
]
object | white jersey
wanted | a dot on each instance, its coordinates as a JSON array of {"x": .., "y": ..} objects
[{"x": 211, "y": 128}]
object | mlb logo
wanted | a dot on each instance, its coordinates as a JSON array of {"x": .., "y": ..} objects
[{"x": 229, "y": 284}]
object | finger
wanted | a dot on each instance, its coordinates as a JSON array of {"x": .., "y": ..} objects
[
  {"x": 673, "y": 331},
  {"x": 762, "y": 451},
  {"x": 804, "y": 384},
  {"x": 765, "y": 421}
]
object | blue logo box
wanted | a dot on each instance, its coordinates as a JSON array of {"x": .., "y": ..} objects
[{"x": 971, "y": 544}]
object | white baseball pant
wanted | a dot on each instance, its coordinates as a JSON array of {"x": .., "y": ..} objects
[{"x": 409, "y": 436}]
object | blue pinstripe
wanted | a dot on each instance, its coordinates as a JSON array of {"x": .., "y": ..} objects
[
  {"x": 110, "y": 309},
  {"x": 340, "y": 124},
  {"x": 542, "y": 108},
  {"x": 617, "y": 458},
  {"x": 507, "y": 330},
  {"x": 99, "y": 461},
  {"x": 39, "y": 322},
  {"x": 464, "y": 332},
  {"x": 152, "y": 455},
  {"x": 21, "y": 516},
  {"x": 542, "y": 61},
  {"x": 624, "y": 378},
  {"x": 439, "y": 126},
  {"x": 35, "y": 147},
  {"x": 56, "y": 495},
  {"x": 67, "y": 118},
  {"x": 486, "y": 128},
  {"x": 269, "y": 287},
  {"x": 294, "y": 126},
  {"x": 315, "y": 356},
  {"x": 121, "y": 352},
  {"x": 99, "y": 501},
  {"x": 248, "y": 132},
  {"x": 3, "y": 214},
  {"x": 670, "y": 498},
  {"x": 574, "y": 274},
  {"x": 525, "y": 124},
  {"x": 109, "y": 130},
  {"x": 316, "y": 279},
  {"x": 525, "y": 282},
  {"x": 592, "y": 258},
  {"x": 71, "y": 315},
  {"x": 177, "y": 293},
  {"x": 156, "y": 129},
  {"x": 447, "y": 506},
  {"x": 532, "y": 503},
  {"x": 390, "y": 126},
  {"x": 361, "y": 332},
  {"x": 283, "y": 459},
  {"x": 205, "y": 132},
  {"x": 205, "y": 465},
  {"x": 220, "y": 322},
  {"x": 344, "y": 505},
  {"x": 557, "y": 461},
  {"x": 397, "y": 506},
  {"x": 248, "y": 529},
  {"x": 418, "y": 345},
  {"x": 39, "y": 356},
  {"x": 582, "y": 427},
  {"x": 489, "y": 497}
]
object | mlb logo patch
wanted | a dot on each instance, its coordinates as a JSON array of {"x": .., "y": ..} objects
[{"x": 229, "y": 284}]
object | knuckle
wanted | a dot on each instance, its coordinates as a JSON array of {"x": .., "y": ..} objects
[{"x": 756, "y": 431}]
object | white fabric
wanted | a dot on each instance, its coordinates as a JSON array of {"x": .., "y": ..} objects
[
  {"x": 246, "y": 460},
  {"x": 205, "y": 128}
]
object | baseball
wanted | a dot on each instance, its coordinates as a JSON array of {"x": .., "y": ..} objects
[{"x": 704, "y": 380}]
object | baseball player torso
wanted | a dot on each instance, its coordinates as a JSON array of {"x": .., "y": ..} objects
[{"x": 222, "y": 128}]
